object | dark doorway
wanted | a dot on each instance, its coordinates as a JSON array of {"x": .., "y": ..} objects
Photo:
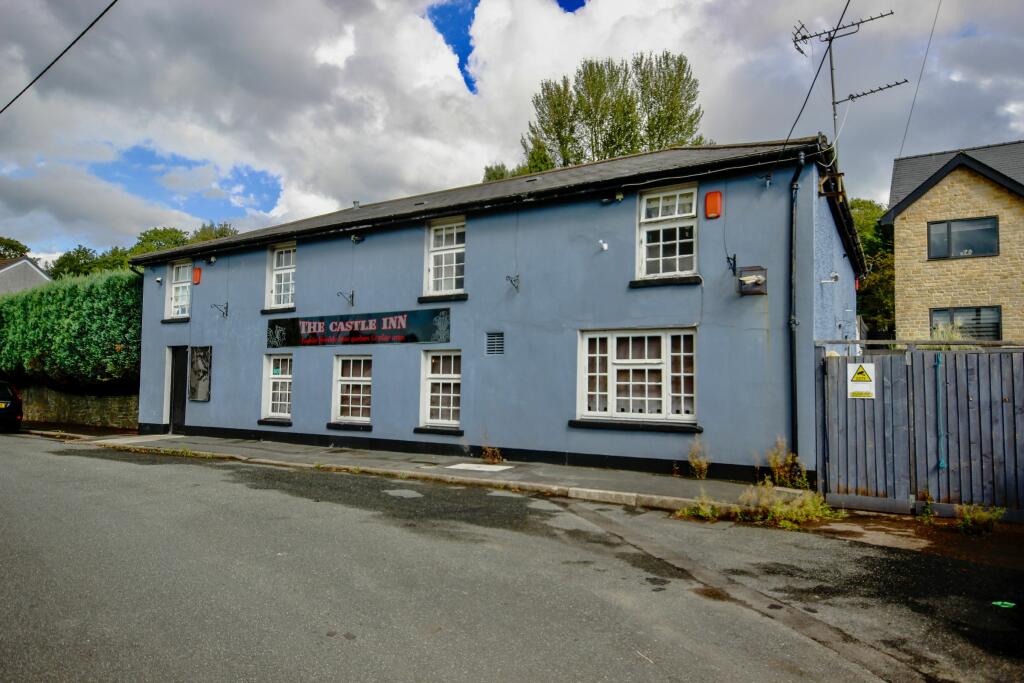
[{"x": 179, "y": 387}]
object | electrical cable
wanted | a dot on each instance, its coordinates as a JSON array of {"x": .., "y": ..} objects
[
  {"x": 815, "y": 80},
  {"x": 57, "y": 58},
  {"x": 919, "y": 75}
]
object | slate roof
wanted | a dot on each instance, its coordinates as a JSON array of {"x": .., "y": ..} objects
[
  {"x": 909, "y": 172},
  {"x": 678, "y": 163}
]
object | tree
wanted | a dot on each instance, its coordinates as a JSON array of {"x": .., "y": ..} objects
[
  {"x": 156, "y": 239},
  {"x": 78, "y": 261},
  {"x": 115, "y": 258},
  {"x": 11, "y": 248},
  {"x": 609, "y": 109},
  {"x": 211, "y": 231},
  {"x": 876, "y": 300}
]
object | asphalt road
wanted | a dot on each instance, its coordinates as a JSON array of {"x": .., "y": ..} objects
[{"x": 116, "y": 566}]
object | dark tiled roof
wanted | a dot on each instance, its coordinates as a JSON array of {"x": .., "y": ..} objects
[
  {"x": 909, "y": 172},
  {"x": 552, "y": 184},
  {"x": 4, "y": 262}
]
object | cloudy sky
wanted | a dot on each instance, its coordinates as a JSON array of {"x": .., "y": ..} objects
[{"x": 258, "y": 112}]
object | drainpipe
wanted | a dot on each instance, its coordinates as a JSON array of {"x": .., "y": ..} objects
[{"x": 794, "y": 420}]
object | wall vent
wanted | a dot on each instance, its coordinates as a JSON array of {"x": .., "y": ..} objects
[{"x": 495, "y": 343}]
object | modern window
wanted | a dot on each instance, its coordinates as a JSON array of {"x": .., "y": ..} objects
[
  {"x": 282, "y": 277},
  {"x": 446, "y": 258},
  {"x": 638, "y": 375},
  {"x": 181, "y": 289},
  {"x": 442, "y": 388},
  {"x": 278, "y": 386},
  {"x": 666, "y": 233},
  {"x": 963, "y": 238},
  {"x": 983, "y": 323},
  {"x": 353, "y": 393}
]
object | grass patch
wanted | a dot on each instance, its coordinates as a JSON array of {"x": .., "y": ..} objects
[{"x": 978, "y": 520}]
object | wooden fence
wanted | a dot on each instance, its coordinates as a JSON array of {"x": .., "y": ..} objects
[{"x": 948, "y": 425}]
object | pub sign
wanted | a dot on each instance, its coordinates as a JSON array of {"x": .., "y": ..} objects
[{"x": 394, "y": 327}]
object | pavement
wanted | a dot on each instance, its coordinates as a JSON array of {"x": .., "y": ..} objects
[
  {"x": 128, "y": 565},
  {"x": 638, "y": 489}
]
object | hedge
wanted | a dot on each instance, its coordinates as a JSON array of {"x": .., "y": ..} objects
[{"x": 81, "y": 332}]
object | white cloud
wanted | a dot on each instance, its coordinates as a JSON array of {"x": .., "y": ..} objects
[{"x": 363, "y": 100}]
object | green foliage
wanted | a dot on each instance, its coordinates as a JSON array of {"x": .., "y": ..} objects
[
  {"x": 787, "y": 470},
  {"x": 115, "y": 258},
  {"x": 876, "y": 300},
  {"x": 211, "y": 231},
  {"x": 156, "y": 239},
  {"x": 704, "y": 509},
  {"x": 82, "y": 330},
  {"x": 610, "y": 109},
  {"x": 78, "y": 261},
  {"x": 11, "y": 248},
  {"x": 764, "y": 504},
  {"x": 976, "y": 520}
]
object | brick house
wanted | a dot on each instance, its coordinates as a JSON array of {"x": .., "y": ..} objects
[{"x": 958, "y": 233}]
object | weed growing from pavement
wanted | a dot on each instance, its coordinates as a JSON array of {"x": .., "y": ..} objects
[
  {"x": 927, "y": 515},
  {"x": 492, "y": 455},
  {"x": 706, "y": 509},
  {"x": 787, "y": 470},
  {"x": 765, "y": 505},
  {"x": 977, "y": 520},
  {"x": 699, "y": 460}
]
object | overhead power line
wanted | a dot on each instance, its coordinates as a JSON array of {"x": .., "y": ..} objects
[
  {"x": 57, "y": 58},
  {"x": 918, "y": 85}
]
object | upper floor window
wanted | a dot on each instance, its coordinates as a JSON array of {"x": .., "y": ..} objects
[
  {"x": 963, "y": 238},
  {"x": 638, "y": 374},
  {"x": 282, "y": 277},
  {"x": 666, "y": 233},
  {"x": 446, "y": 257},
  {"x": 181, "y": 289},
  {"x": 983, "y": 323}
]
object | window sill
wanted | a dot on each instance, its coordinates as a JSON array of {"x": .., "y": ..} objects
[
  {"x": 275, "y": 422},
  {"x": 175, "y": 321},
  {"x": 445, "y": 431},
  {"x": 350, "y": 426},
  {"x": 666, "y": 281},
  {"x": 434, "y": 298},
  {"x": 275, "y": 311},
  {"x": 638, "y": 426}
]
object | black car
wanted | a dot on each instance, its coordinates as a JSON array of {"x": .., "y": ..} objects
[{"x": 10, "y": 407}]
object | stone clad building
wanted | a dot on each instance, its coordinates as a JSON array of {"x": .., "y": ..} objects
[
  {"x": 958, "y": 234},
  {"x": 607, "y": 313}
]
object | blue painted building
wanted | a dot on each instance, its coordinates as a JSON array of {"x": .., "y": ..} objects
[{"x": 607, "y": 313}]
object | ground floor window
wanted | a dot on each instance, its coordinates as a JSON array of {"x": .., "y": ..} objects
[
  {"x": 278, "y": 386},
  {"x": 638, "y": 374},
  {"x": 353, "y": 379},
  {"x": 983, "y": 323},
  {"x": 442, "y": 388}
]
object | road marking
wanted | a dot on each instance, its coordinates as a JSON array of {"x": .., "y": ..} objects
[
  {"x": 479, "y": 467},
  {"x": 404, "y": 493}
]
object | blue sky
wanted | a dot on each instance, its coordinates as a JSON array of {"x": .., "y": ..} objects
[
  {"x": 452, "y": 20},
  {"x": 191, "y": 185}
]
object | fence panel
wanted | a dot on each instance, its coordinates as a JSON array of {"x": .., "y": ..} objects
[{"x": 945, "y": 424}]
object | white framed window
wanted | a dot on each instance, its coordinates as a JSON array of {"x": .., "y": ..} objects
[
  {"x": 442, "y": 388},
  {"x": 446, "y": 257},
  {"x": 353, "y": 390},
  {"x": 180, "y": 292},
  {"x": 638, "y": 375},
  {"x": 667, "y": 233},
  {"x": 282, "y": 277},
  {"x": 277, "y": 386}
]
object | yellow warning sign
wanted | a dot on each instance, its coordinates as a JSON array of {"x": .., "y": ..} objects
[
  {"x": 860, "y": 375},
  {"x": 860, "y": 380}
]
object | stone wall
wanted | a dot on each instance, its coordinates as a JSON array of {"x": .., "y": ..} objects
[
  {"x": 983, "y": 281},
  {"x": 43, "y": 404}
]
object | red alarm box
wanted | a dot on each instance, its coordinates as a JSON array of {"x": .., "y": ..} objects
[
  {"x": 713, "y": 204},
  {"x": 197, "y": 275}
]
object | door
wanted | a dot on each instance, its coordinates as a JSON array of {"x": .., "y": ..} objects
[{"x": 179, "y": 387}]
